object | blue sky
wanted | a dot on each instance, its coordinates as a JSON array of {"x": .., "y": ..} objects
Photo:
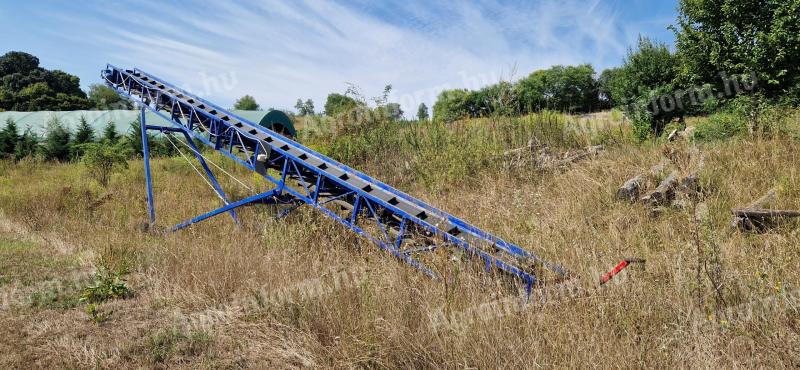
[{"x": 281, "y": 51}]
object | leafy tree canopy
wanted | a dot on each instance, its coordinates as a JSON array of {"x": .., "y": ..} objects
[
  {"x": 338, "y": 103},
  {"x": 739, "y": 38},
  {"x": 105, "y": 98},
  {"x": 451, "y": 105},
  {"x": 422, "y": 112},
  {"x": 567, "y": 88},
  {"x": 246, "y": 102},
  {"x": 393, "y": 111},
  {"x": 309, "y": 107},
  {"x": 304, "y": 108},
  {"x": 24, "y": 86}
]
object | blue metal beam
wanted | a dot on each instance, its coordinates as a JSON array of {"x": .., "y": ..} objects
[
  {"x": 151, "y": 212},
  {"x": 196, "y": 152},
  {"x": 226, "y": 208}
]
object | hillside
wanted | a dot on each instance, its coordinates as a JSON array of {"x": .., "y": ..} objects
[{"x": 305, "y": 292}]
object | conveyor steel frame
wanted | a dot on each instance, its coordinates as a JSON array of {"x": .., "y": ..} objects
[{"x": 233, "y": 142}]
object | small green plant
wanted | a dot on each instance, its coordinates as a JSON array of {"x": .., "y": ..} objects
[
  {"x": 65, "y": 297},
  {"x": 106, "y": 286},
  {"x": 96, "y": 314},
  {"x": 102, "y": 160}
]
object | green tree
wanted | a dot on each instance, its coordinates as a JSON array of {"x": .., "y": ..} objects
[
  {"x": 103, "y": 160},
  {"x": 422, "y": 112},
  {"x": 740, "y": 38},
  {"x": 577, "y": 89},
  {"x": 246, "y": 102},
  {"x": 7, "y": 98},
  {"x": 106, "y": 98},
  {"x": 25, "y": 86},
  {"x": 134, "y": 139},
  {"x": 57, "y": 141},
  {"x": 110, "y": 133},
  {"x": 18, "y": 62},
  {"x": 338, "y": 103},
  {"x": 649, "y": 66},
  {"x": 83, "y": 135},
  {"x": 567, "y": 88},
  {"x": 498, "y": 99},
  {"x": 451, "y": 105},
  {"x": 301, "y": 107},
  {"x": 160, "y": 146},
  {"x": 608, "y": 86},
  {"x": 27, "y": 146},
  {"x": 9, "y": 137},
  {"x": 309, "y": 105},
  {"x": 393, "y": 111},
  {"x": 531, "y": 91},
  {"x": 646, "y": 87}
]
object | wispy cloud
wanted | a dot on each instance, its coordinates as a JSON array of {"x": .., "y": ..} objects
[{"x": 281, "y": 51}]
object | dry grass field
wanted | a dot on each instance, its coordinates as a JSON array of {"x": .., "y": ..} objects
[{"x": 304, "y": 292}]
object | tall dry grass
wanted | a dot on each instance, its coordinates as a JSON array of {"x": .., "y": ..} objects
[{"x": 389, "y": 316}]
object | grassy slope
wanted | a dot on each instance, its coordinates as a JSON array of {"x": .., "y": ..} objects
[{"x": 379, "y": 314}]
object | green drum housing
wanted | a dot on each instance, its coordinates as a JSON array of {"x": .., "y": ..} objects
[{"x": 279, "y": 122}]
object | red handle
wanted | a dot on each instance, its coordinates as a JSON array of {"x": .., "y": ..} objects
[{"x": 605, "y": 278}]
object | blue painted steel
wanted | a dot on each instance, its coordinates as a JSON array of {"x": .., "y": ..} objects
[
  {"x": 151, "y": 212},
  {"x": 227, "y": 208},
  {"x": 196, "y": 152},
  {"x": 246, "y": 142}
]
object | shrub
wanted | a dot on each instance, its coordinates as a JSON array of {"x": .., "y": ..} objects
[
  {"x": 451, "y": 105},
  {"x": 27, "y": 146},
  {"x": 9, "y": 136},
  {"x": 337, "y": 104},
  {"x": 642, "y": 120},
  {"x": 57, "y": 141},
  {"x": 103, "y": 159},
  {"x": 762, "y": 116},
  {"x": 720, "y": 126}
]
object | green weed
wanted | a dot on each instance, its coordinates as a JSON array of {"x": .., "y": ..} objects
[
  {"x": 720, "y": 126},
  {"x": 97, "y": 315},
  {"x": 106, "y": 286},
  {"x": 64, "y": 297}
]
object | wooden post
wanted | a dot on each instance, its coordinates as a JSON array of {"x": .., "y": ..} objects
[{"x": 756, "y": 218}]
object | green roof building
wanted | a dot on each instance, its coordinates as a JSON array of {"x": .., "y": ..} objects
[{"x": 97, "y": 119}]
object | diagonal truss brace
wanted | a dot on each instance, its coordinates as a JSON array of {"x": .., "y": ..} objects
[{"x": 148, "y": 172}]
